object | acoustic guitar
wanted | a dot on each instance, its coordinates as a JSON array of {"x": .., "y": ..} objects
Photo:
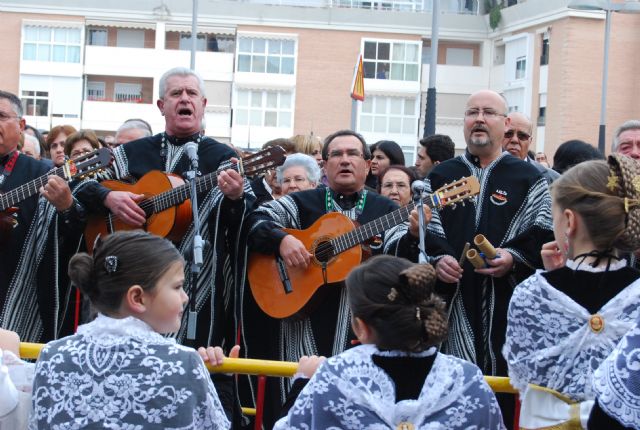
[
  {"x": 166, "y": 203},
  {"x": 332, "y": 241},
  {"x": 78, "y": 168}
]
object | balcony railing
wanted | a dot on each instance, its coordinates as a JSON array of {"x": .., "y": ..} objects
[{"x": 465, "y": 7}]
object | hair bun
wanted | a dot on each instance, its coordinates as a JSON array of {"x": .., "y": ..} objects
[
  {"x": 419, "y": 275},
  {"x": 81, "y": 274},
  {"x": 624, "y": 181},
  {"x": 436, "y": 324}
]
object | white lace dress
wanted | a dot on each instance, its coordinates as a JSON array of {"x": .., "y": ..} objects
[
  {"x": 617, "y": 381},
  {"x": 349, "y": 391},
  {"x": 120, "y": 374},
  {"x": 554, "y": 342}
]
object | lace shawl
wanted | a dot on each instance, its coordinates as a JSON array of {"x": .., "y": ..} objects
[
  {"x": 350, "y": 392},
  {"x": 551, "y": 341},
  {"x": 119, "y": 373},
  {"x": 617, "y": 381}
]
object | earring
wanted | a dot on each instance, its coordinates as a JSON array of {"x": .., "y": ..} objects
[{"x": 565, "y": 245}]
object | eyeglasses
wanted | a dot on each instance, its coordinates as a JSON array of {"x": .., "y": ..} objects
[
  {"x": 522, "y": 136},
  {"x": 297, "y": 180},
  {"x": 350, "y": 153},
  {"x": 401, "y": 186},
  {"x": 6, "y": 117},
  {"x": 486, "y": 113}
]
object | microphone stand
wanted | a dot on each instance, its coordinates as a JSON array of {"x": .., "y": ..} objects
[
  {"x": 198, "y": 246},
  {"x": 418, "y": 195}
]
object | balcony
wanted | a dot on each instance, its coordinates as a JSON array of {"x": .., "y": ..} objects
[
  {"x": 108, "y": 116},
  {"x": 461, "y": 7},
  {"x": 152, "y": 63},
  {"x": 457, "y": 79}
]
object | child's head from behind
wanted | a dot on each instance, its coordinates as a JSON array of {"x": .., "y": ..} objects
[
  {"x": 593, "y": 194},
  {"x": 133, "y": 274},
  {"x": 395, "y": 299}
]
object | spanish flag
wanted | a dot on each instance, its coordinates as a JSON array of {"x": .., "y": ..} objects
[{"x": 357, "y": 91}]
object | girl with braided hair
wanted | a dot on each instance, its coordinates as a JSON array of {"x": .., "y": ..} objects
[
  {"x": 395, "y": 378},
  {"x": 564, "y": 321}
]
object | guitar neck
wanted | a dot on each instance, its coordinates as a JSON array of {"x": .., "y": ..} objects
[
  {"x": 367, "y": 231},
  {"x": 24, "y": 191},
  {"x": 175, "y": 196}
]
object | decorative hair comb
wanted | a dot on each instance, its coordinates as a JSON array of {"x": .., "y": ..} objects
[{"x": 111, "y": 264}]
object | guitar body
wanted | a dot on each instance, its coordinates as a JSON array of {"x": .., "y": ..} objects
[
  {"x": 264, "y": 276},
  {"x": 7, "y": 223},
  {"x": 171, "y": 223}
]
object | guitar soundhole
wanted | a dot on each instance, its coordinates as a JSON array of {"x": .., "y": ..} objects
[{"x": 323, "y": 251}]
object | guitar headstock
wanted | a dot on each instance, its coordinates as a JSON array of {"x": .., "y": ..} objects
[
  {"x": 264, "y": 160},
  {"x": 87, "y": 164},
  {"x": 457, "y": 191}
]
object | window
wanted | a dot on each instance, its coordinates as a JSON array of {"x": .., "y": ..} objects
[
  {"x": 130, "y": 93},
  {"x": 130, "y": 38},
  {"x": 544, "y": 54},
  {"x": 263, "y": 108},
  {"x": 60, "y": 45},
  {"x": 208, "y": 43},
  {"x": 35, "y": 103},
  {"x": 391, "y": 60},
  {"x": 97, "y": 37},
  {"x": 542, "y": 116},
  {"x": 389, "y": 115},
  {"x": 521, "y": 65},
  {"x": 95, "y": 90},
  {"x": 459, "y": 57},
  {"x": 266, "y": 56}
]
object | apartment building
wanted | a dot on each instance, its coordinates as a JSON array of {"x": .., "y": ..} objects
[{"x": 283, "y": 67}]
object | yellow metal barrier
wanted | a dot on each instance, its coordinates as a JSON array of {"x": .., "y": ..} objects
[{"x": 248, "y": 366}]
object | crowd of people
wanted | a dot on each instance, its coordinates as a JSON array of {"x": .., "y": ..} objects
[{"x": 554, "y": 307}]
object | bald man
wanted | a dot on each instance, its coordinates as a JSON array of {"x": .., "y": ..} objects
[
  {"x": 513, "y": 211},
  {"x": 517, "y": 140}
]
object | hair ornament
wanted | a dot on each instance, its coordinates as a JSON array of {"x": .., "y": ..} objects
[
  {"x": 393, "y": 295},
  {"x": 111, "y": 264},
  {"x": 418, "y": 313},
  {"x": 630, "y": 204},
  {"x": 612, "y": 181}
]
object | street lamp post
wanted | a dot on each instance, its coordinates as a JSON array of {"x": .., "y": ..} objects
[{"x": 608, "y": 7}]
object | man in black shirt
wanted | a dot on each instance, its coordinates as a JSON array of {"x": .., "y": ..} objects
[{"x": 36, "y": 241}]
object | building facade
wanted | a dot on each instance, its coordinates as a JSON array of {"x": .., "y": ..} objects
[{"x": 279, "y": 68}]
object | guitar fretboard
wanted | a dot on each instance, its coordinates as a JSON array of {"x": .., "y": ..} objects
[
  {"x": 367, "y": 231},
  {"x": 24, "y": 191},
  {"x": 175, "y": 196}
]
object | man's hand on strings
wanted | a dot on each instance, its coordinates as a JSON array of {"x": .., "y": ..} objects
[
  {"x": 231, "y": 183},
  {"x": 294, "y": 253}
]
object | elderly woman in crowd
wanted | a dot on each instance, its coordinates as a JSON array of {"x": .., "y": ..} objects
[
  {"x": 298, "y": 173},
  {"x": 395, "y": 183},
  {"x": 80, "y": 143}
]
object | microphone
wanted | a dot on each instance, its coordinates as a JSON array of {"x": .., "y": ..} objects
[
  {"x": 417, "y": 187},
  {"x": 191, "y": 150}
]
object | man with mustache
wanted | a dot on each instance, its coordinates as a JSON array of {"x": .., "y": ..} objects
[
  {"x": 327, "y": 331},
  {"x": 513, "y": 211}
]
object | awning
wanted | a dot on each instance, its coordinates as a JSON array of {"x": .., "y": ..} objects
[
  {"x": 120, "y": 24},
  {"x": 53, "y": 24},
  {"x": 202, "y": 29}
]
